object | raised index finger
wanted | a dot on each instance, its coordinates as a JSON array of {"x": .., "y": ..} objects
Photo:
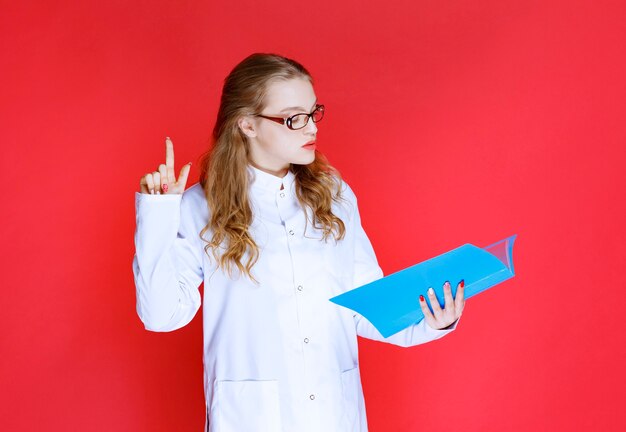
[{"x": 169, "y": 159}]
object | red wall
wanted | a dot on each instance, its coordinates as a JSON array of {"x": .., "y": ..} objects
[{"x": 454, "y": 122}]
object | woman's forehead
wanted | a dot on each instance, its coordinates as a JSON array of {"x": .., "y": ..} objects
[{"x": 292, "y": 93}]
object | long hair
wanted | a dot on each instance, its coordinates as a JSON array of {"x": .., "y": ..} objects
[{"x": 224, "y": 174}]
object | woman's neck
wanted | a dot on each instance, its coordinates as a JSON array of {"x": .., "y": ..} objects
[{"x": 280, "y": 173}]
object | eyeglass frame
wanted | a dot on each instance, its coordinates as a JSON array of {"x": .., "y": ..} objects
[{"x": 287, "y": 121}]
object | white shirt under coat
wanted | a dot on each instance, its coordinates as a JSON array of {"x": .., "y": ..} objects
[{"x": 278, "y": 356}]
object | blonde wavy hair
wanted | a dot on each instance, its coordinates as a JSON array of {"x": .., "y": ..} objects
[{"x": 224, "y": 174}]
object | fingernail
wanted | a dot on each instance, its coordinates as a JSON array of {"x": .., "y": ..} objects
[
  {"x": 462, "y": 283},
  {"x": 151, "y": 191},
  {"x": 421, "y": 297},
  {"x": 431, "y": 291},
  {"x": 165, "y": 188},
  {"x": 447, "y": 284},
  {"x": 167, "y": 138}
]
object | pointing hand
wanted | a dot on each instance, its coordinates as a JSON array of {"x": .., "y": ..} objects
[{"x": 164, "y": 180}]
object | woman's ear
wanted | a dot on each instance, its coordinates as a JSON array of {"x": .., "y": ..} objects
[{"x": 247, "y": 126}]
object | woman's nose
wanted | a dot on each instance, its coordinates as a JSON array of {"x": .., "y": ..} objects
[{"x": 311, "y": 127}]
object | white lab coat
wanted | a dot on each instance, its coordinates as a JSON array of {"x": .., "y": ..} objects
[{"x": 278, "y": 356}]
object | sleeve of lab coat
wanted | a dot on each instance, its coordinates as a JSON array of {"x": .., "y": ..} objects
[
  {"x": 366, "y": 270},
  {"x": 167, "y": 264}
]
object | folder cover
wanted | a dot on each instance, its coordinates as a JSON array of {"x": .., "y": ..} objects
[{"x": 391, "y": 303}]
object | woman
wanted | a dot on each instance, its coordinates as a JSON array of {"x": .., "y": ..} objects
[{"x": 273, "y": 232}]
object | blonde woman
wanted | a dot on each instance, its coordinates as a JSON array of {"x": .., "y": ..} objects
[{"x": 273, "y": 232}]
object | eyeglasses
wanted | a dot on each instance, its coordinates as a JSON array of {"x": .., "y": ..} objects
[{"x": 300, "y": 120}]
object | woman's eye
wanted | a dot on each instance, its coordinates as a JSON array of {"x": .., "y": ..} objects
[{"x": 297, "y": 120}]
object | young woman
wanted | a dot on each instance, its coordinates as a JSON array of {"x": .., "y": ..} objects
[{"x": 273, "y": 232}]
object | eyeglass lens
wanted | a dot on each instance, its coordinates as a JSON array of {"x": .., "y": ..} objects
[{"x": 300, "y": 120}]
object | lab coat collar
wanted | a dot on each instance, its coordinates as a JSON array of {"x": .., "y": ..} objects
[{"x": 270, "y": 182}]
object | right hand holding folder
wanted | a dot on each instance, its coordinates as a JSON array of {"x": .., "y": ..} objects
[{"x": 441, "y": 318}]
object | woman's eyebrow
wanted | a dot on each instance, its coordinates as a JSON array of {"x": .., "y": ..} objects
[{"x": 298, "y": 107}]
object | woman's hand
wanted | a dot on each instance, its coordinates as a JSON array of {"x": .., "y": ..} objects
[
  {"x": 453, "y": 308},
  {"x": 164, "y": 180}
]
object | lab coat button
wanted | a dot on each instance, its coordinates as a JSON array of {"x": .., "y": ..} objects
[
  {"x": 306, "y": 340},
  {"x": 282, "y": 195},
  {"x": 299, "y": 287},
  {"x": 291, "y": 232},
  {"x": 312, "y": 397}
]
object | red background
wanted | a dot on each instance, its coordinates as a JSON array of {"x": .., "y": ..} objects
[{"x": 454, "y": 122}]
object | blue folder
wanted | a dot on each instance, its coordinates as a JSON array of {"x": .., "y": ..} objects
[{"x": 391, "y": 303}]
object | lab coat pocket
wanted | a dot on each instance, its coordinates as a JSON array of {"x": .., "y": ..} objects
[
  {"x": 351, "y": 384},
  {"x": 248, "y": 405},
  {"x": 338, "y": 263}
]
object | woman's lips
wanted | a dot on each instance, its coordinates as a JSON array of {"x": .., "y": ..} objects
[{"x": 310, "y": 146}]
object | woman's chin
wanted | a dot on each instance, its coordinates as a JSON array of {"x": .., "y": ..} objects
[{"x": 305, "y": 160}]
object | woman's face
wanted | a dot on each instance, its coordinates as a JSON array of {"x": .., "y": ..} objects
[{"x": 273, "y": 146}]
